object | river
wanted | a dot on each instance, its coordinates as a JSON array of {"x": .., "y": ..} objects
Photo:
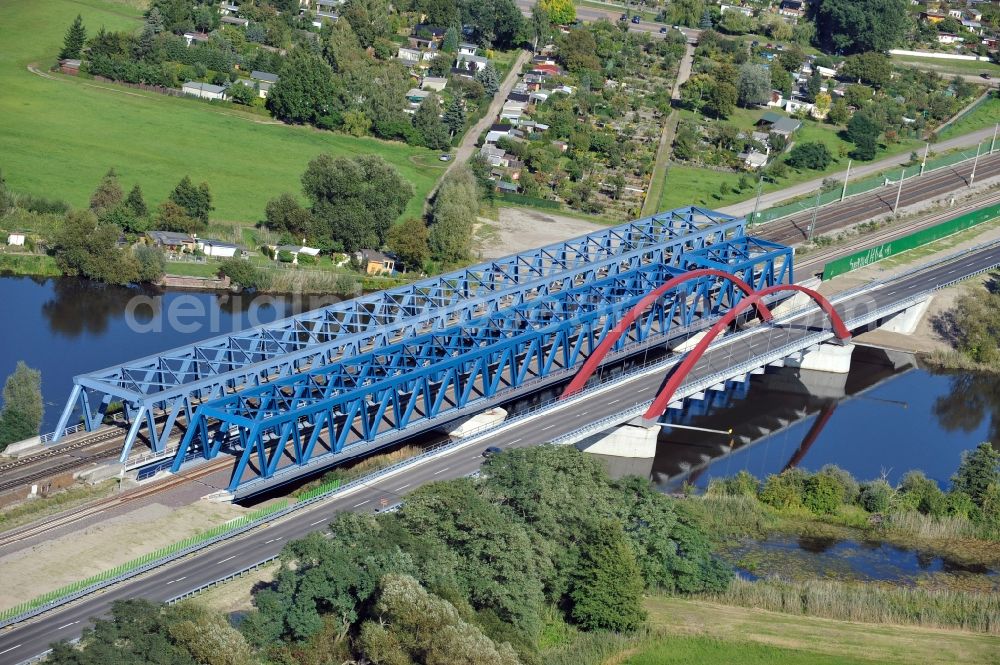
[{"x": 887, "y": 416}]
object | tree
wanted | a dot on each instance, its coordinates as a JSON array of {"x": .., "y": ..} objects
[
  {"x": 823, "y": 104},
  {"x": 136, "y": 203},
  {"x": 863, "y": 132},
  {"x": 409, "y": 241},
  {"x": 813, "y": 155},
  {"x": 607, "y": 586},
  {"x": 754, "y": 85},
  {"x": 487, "y": 77},
  {"x": 196, "y": 200},
  {"x": 721, "y": 100},
  {"x": 706, "y": 20},
  {"x": 285, "y": 214},
  {"x": 355, "y": 201},
  {"x": 858, "y": 26},
  {"x": 22, "y": 411},
  {"x": 839, "y": 113},
  {"x": 427, "y": 122},
  {"x": 368, "y": 18},
  {"x": 88, "y": 249},
  {"x": 305, "y": 90},
  {"x": 245, "y": 274},
  {"x": 560, "y": 12},
  {"x": 172, "y": 217},
  {"x": 979, "y": 469},
  {"x": 450, "y": 42},
  {"x": 108, "y": 194},
  {"x": 814, "y": 86},
  {"x": 454, "y": 116},
  {"x": 152, "y": 263},
  {"x": 873, "y": 69},
  {"x": 453, "y": 216},
  {"x": 240, "y": 93},
  {"x": 74, "y": 40}
]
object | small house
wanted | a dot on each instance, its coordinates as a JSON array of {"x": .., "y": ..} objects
[
  {"x": 295, "y": 250},
  {"x": 779, "y": 124},
  {"x": 739, "y": 9},
  {"x": 791, "y": 8},
  {"x": 507, "y": 187},
  {"x": 192, "y": 37},
  {"x": 466, "y": 48},
  {"x": 228, "y": 8},
  {"x": 15, "y": 239},
  {"x": 408, "y": 55},
  {"x": 416, "y": 95},
  {"x": 754, "y": 159},
  {"x": 471, "y": 62},
  {"x": 204, "y": 90},
  {"x": 235, "y": 20},
  {"x": 949, "y": 38},
  {"x": 327, "y": 9},
  {"x": 218, "y": 248},
  {"x": 376, "y": 263},
  {"x": 171, "y": 241}
]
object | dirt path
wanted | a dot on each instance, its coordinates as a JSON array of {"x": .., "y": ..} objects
[
  {"x": 467, "y": 147},
  {"x": 520, "y": 229}
]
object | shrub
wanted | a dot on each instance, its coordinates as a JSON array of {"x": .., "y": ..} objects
[
  {"x": 849, "y": 486},
  {"x": 876, "y": 496},
  {"x": 285, "y": 256},
  {"x": 823, "y": 494},
  {"x": 742, "y": 484},
  {"x": 815, "y": 156},
  {"x": 920, "y": 493},
  {"x": 784, "y": 490},
  {"x": 245, "y": 274}
]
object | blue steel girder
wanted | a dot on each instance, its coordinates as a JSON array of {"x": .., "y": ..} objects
[
  {"x": 230, "y": 363},
  {"x": 428, "y": 376},
  {"x": 758, "y": 262}
]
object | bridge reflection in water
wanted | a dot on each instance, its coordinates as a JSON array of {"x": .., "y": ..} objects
[{"x": 763, "y": 413}]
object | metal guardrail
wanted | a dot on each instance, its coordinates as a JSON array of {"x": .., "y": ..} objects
[{"x": 701, "y": 384}]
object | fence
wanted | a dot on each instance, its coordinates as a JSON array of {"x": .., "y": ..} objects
[
  {"x": 865, "y": 185},
  {"x": 521, "y": 199},
  {"x": 875, "y": 254}
]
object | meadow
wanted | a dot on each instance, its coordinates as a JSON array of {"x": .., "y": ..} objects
[{"x": 60, "y": 134}]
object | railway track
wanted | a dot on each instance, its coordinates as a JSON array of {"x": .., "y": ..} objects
[
  {"x": 107, "y": 503},
  {"x": 794, "y": 229},
  {"x": 820, "y": 257},
  {"x": 100, "y": 436}
]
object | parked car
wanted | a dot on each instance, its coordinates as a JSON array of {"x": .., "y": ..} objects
[
  {"x": 636, "y": 19},
  {"x": 663, "y": 30},
  {"x": 986, "y": 75},
  {"x": 624, "y": 17},
  {"x": 492, "y": 450},
  {"x": 444, "y": 157}
]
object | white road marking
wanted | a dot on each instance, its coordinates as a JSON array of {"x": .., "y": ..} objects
[
  {"x": 400, "y": 489},
  {"x": 10, "y": 649},
  {"x": 361, "y": 504},
  {"x": 228, "y": 558},
  {"x": 317, "y": 522},
  {"x": 615, "y": 401},
  {"x": 441, "y": 470},
  {"x": 273, "y": 540},
  {"x": 515, "y": 441},
  {"x": 67, "y": 625},
  {"x": 177, "y": 580},
  {"x": 549, "y": 427}
]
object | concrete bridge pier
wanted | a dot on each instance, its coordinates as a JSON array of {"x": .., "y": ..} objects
[
  {"x": 834, "y": 358},
  {"x": 906, "y": 322}
]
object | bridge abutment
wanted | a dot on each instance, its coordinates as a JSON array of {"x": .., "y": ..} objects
[
  {"x": 631, "y": 440},
  {"x": 906, "y": 322},
  {"x": 834, "y": 358}
]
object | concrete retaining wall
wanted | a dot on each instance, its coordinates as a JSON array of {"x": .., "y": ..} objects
[{"x": 939, "y": 56}]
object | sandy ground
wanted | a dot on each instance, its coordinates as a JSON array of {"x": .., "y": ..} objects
[
  {"x": 43, "y": 567},
  {"x": 236, "y": 596},
  {"x": 520, "y": 229}
]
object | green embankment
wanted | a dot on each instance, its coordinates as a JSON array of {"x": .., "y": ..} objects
[{"x": 59, "y": 134}]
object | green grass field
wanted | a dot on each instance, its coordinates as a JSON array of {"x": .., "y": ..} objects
[
  {"x": 687, "y": 185},
  {"x": 58, "y": 136},
  {"x": 984, "y": 115},
  {"x": 967, "y": 67},
  {"x": 748, "y": 636}
]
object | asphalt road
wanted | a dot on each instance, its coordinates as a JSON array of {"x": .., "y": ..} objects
[{"x": 23, "y": 641}]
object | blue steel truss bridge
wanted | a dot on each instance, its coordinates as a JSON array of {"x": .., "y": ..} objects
[{"x": 302, "y": 393}]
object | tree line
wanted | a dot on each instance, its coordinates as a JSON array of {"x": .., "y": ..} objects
[{"x": 466, "y": 571}]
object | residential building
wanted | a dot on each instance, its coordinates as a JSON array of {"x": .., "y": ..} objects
[
  {"x": 172, "y": 241},
  {"x": 949, "y": 38},
  {"x": 192, "y": 37},
  {"x": 779, "y": 124},
  {"x": 507, "y": 187},
  {"x": 227, "y": 8},
  {"x": 791, "y": 8},
  {"x": 15, "y": 239},
  {"x": 204, "y": 90},
  {"x": 295, "y": 250},
  {"x": 466, "y": 48},
  {"x": 471, "y": 62},
  {"x": 739, "y": 9},
  {"x": 410, "y": 56},
  {"x": 376, "y": 263},
  {"x": 235, "y": 20}
]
